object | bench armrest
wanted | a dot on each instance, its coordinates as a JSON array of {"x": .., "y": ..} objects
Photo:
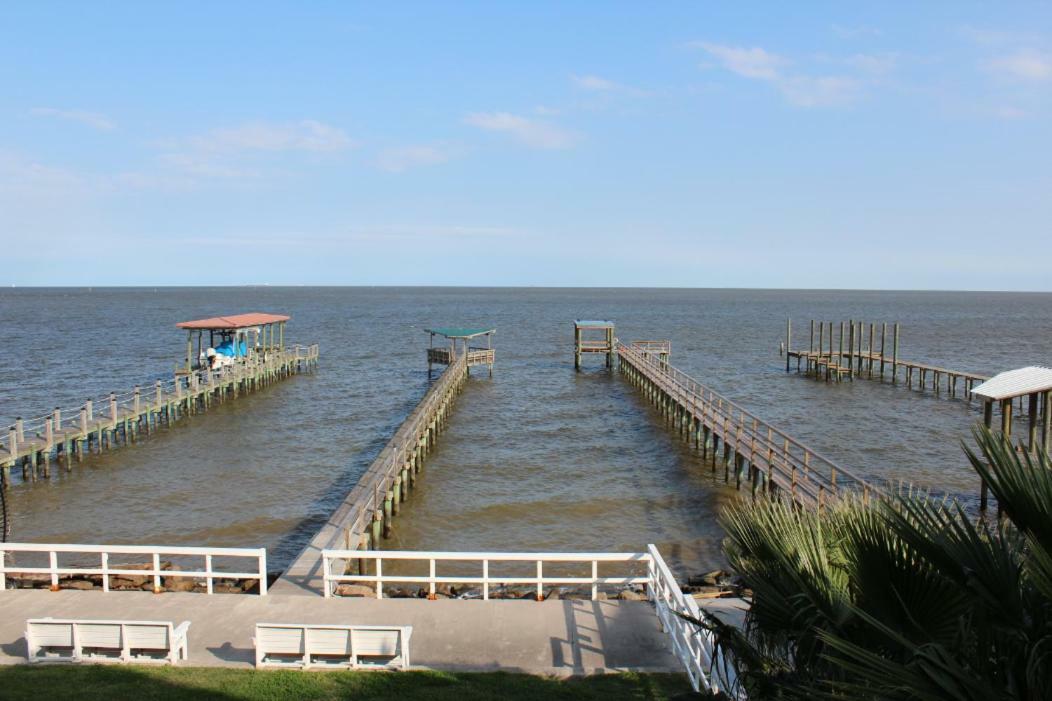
[{"x": 179, "y": 633}]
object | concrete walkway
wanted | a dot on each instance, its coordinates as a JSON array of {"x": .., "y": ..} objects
[{"x": 549, "y": 637}]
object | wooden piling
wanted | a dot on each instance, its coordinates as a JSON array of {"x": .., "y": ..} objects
[{"x": 895, "y": 355}]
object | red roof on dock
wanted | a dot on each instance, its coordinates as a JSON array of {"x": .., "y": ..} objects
[{"x": 237, "y": 321}]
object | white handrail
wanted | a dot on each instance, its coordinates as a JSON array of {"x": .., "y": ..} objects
[
  {"x": 154, "y": 551},
  {"x": 692, "y": 644},
  {"x": 484, "y": 559}
]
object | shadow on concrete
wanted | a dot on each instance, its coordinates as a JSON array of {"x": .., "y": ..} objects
[
  {"x": 229, "y": 653},
  {"x": 15, "y": 648}
]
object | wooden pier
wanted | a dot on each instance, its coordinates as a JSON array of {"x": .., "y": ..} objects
[
  {"x": 476, "y": 355},
  {"x": 366, "y": 515},
  {"x": 583, "y": 345},
  {"x": 856, "y": 353},
  {"x": 119, "y": 418},
  {"x": 745, "y": 447}
]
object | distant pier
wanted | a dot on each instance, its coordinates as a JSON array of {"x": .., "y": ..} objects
[
  {"x": 855, "y": 353},
  {"x": 119, "y": 418},
  {"x": 747, "y": 449}
]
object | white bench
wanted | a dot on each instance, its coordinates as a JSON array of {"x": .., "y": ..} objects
[
  {"x": 309, "y": 645},
  {"x": 58, "y": 640}
]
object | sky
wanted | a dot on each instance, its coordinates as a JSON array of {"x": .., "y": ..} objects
[{"x": 803, "y": 145}]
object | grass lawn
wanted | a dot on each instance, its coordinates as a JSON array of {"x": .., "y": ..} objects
[{"x": 110, "y": 682}]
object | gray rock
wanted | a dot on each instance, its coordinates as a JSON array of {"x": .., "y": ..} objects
[
  {"x": 709, "y": 579},
  {"x": 629, "y": 595}
]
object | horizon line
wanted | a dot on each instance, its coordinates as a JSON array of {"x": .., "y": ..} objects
[{"x": 516, "y": 287}]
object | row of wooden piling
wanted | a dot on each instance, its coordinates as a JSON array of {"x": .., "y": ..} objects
[
  {"x": 854, "y": 353},
  {"x": 727, "y": 435},
  {"x": 127, "y": 417}
]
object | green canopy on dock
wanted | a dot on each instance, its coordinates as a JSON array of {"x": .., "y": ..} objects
[
  {"x": 457, "y": 332},
  {"x": 593, "y": 324}
]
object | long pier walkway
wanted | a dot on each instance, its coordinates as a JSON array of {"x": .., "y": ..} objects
[
  {"x": 854, "y": 354},
  {"x": 366, "y": 515},
  {"x": 753, "y": 450},
  {"x": 108, "y": 422}
]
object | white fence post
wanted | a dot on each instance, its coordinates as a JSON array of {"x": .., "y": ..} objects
[{"x": 262, "y": 572}]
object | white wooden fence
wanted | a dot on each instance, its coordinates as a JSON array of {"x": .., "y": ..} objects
[
  {"x": 483, "y": 560},
  {"x": 154, "y": 552}
]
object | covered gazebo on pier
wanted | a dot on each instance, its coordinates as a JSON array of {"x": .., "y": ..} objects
[
  {"x": 1034, "y": 383},
  {"x": 445, "y": 355},
  {"x": 239, "y": 336}
]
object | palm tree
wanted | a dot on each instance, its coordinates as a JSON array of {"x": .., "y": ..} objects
[{"x": 905, "y": 597}]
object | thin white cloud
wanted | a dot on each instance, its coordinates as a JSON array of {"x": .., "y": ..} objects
[
  {"x": 747, "y": 62},
  {"x": 594, "y": 82},
  {"x": 847, "y": 32},
  {"x": 206, "y": 166},
  {"x": 245, "y": 151},
  {"x": 95, "y": 120},
  {"x": 985, "y": 36},
  {"x": 531, "y": 132},
  {"x": 874, "y": 64},
  {"x": 431, "y": 233},
  {"x": 598, "y": 84},
  {"x": 305, "y": 135},
  {"x": 1025, "y": 64},
  {"x": 818, "y": 91},
  {"x": 397, "y": 160},
  {"x": 800, "y": 89},
  {"x": 1011, "y": 112}
]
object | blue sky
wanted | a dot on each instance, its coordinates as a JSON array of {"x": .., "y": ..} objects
[{"x": 901, "y": 145}]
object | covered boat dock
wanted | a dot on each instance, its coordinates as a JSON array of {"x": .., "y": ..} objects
[
  {"x": 1034, "y": 383},
  {"x": 476, "y": 355}
]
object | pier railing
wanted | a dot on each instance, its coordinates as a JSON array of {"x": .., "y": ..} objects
[
  {"x": 368, "y": 498},
  {"x": 807, "y": 476},
  {"x": 42, "y": 434},
  {"x": 485, "y": 578},
  {"x": 55, "y": 570},
  {"x": 692, "y": 644}
]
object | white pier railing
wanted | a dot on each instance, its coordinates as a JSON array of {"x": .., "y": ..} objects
[
  {"x": 154, "y": 552},
  {"x": 485, "y": 578},
  {"x": 693, "y": 645}
]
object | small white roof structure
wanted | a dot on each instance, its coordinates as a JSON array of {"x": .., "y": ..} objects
[{"x": 1016, "y": 383}]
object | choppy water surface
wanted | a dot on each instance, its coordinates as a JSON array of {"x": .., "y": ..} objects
[{"x": 539, "y": 457}]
